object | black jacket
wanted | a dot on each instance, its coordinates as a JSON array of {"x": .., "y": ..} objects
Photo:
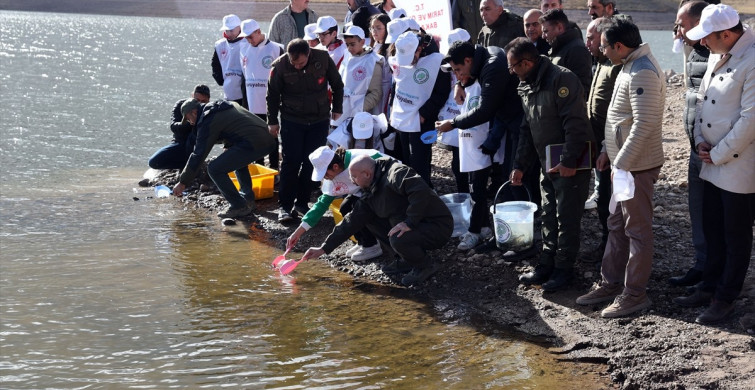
[
  {"x": 180, "y": 130},
  {"x": 398, "y": 194},
  {"x": 569, "y": 51},
  {"x": 498, "y": 96}
]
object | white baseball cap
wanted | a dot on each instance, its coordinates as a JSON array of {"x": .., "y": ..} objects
[
  {"x": 354, "y": 30},
  {"x": 230, "y": 22},
  {"x": 248, "y": 27},
  {"x": 457, "y": 34},
  {"x": 321, "y": 159},
  {"x": 412, "y": 24},
  {"x": 406, "y": 46},
  {"x": 361, "y": 126},
  {"x": 325, "y": 23},
  {"x": 309, "y": 32},
  {"x": 397, "y": 13},
  {"x": 715, "y": 17},
  {"x": 395, "y": 28}
]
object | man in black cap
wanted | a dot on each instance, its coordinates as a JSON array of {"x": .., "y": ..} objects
[
  {"x": 174, "y": 156},
  {"x": 245, "y": 139}
]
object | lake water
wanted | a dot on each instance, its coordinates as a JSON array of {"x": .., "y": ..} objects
[{"x": 100, "y": 291}]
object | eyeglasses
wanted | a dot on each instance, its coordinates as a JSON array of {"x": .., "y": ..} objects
[
  {"x": 603, "y": 48},
  {"x": 512, "y": 66}
]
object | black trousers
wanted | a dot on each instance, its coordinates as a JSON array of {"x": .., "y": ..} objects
[
  {"x": 364, "y": 237},
  {"x": 727, "y": 225}
]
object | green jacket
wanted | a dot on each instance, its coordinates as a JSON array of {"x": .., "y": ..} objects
[
  {"x": 397, "y": 194},
  {"x": 600, "y": 97},
  {"x": 569, "y": 50},
  {"x": 502, "y": 31},
  {"x": 554, "y": 113},
  {"x": 301, "y": 96},
  {"x": 233, "y": 125},
  {"x": 312, "y": 217}
]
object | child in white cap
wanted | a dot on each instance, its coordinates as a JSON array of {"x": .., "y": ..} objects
[
  {"x": 226, "y": 68},
  {"x": 330, "y": 167},
  {"x": 362, "y": 75},
  {"x": 327, "y": 32}
]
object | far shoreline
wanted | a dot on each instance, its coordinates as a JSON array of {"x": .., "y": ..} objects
[{"x": 260, "y": 10}]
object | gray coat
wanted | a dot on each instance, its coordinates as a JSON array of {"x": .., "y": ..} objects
[{"x": 283, "y": 27}]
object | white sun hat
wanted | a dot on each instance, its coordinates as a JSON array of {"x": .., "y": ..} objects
[
  {"x": 406, "y": 46},
  {"x": 230, "y": 22},
  {"x": 325, "y": 23},
  {"x": 715, "y": 17},
  {"x": 248, "y": 27},
  {"x": 321, "y": 159}
]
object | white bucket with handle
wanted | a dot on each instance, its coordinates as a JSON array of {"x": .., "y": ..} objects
[{"x": 514, "y": 223}]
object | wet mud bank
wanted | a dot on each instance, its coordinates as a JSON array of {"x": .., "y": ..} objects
[{"x": 659, "y": 348}]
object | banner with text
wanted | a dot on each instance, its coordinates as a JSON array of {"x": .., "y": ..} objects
[{"x": 432, "y": 15}]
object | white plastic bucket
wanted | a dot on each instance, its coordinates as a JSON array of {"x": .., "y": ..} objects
[
  {"x": 514, "y": 223},
  {"x": 460, "y": 206}
]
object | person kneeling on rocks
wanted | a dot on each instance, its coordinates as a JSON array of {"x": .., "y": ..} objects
[
  {"x": 401, "y": 210},
  {"x": 330, "y": 168},
  {"x": 246, "y": 139}
]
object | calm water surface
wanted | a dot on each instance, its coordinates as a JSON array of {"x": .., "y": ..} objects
[{"x": 100, "y": 291}]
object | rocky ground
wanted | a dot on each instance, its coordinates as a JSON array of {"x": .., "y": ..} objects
[{"x": 661, "y": 348}]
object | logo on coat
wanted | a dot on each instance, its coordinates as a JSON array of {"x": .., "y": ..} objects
[
  {"x": 359, "y": 73},
  {"x": 421, "y": 76},
  {"x": 267, "y": 61}
]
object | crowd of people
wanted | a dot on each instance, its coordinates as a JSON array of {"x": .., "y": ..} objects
[{"x": 360, "y": 108}]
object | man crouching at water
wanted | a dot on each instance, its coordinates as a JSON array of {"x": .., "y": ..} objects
[
  {"x": 245, "y": 139},
  {"x": 401, "y": 210}
]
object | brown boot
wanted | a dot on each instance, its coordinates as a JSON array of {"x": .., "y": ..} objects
[
  {"x": 602, "y": 292},
  {"x": 626, "y": 304}
]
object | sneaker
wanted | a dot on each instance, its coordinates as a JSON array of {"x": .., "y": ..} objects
[
  {"x": 539, "y": 275},
  {"x": 284, "y": 216},
  {"x": 366, "y": 253},
  {"x": 353, "y": 249},
  {"x": 691, "y": 278},
  {"x": 715, "y": 313},
  {"x": 626, "y": 304},
  {"x": 698, "y": 299},
  {"x": 251, "y": 204},
  {"x": 396, "y": 267},
  {"x": 235, "y": 212},
  {"x": 469, "y": 240},
  {"x": 591, "y": 204},
  {"x": 602, "y": 292},
  {"x": 419, "y": 275},
  {"x": 486, "y": 233},
  {"x": 560, "y": 278}
]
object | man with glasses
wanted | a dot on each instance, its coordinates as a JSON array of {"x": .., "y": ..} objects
[
  {"x": 534, "y": 30},
  {"x": 327, "y": 33},
  {"x": 256, "y": 60},
  {"x": 554, "y": 113},
  {"x": 298, "y": 90},
  {"x": 226, "y": 69},
  {"x": 634, "y": 148}
]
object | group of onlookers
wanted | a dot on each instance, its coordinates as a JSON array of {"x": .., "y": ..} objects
[{"x": 359, "y": 107}]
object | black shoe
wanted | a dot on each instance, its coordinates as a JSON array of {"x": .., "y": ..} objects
[
  {"x": 396, "y": 267},
  {"x": 691, "y": 278},
  {"x": 697, "y": 299},
  {"x": 419, "y": 275},
  {"x": 560, "y": 278},
  {"x": 299, "y": 211},
  {"x": 540, "y": 275},
  {"x": 716, "y": 312}
]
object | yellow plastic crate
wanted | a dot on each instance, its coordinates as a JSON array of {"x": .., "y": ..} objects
[
  {"x": 263, "y": 181},
  {"x": 335, "y": 208}
]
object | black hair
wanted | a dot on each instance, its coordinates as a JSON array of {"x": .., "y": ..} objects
[
  {"x": 623, "y": 31},
  {"x": 522, "y": 49},
  {"x": 460, "y": 50},
  {"x": 296, "y": 48},
  {"x": 555, "y": 16},
  {"x": 338, "y": 158},
  {"x": 384, "y": 19}
]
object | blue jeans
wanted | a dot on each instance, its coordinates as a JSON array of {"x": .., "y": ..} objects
[
  {"x": 173, "y": 156},
  {"x": 297, "y": 142},
  {"x": 695, "y": 200},
  {"x": 236, "y": 159}
]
